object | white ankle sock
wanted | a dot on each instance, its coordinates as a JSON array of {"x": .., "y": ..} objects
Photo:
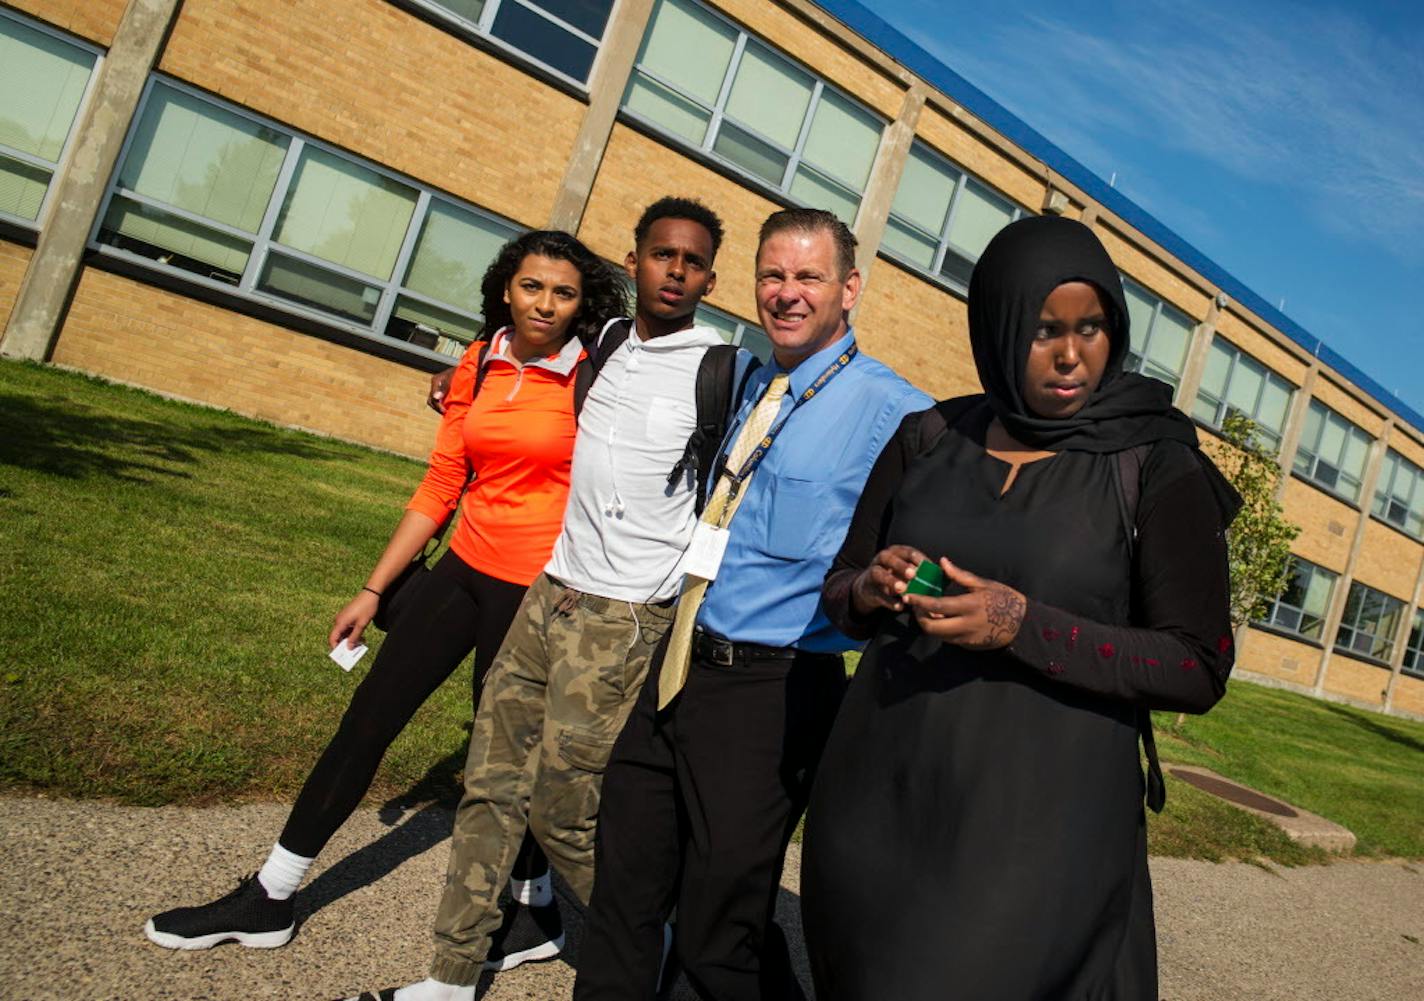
[
  {"x": 434, "y": 990},
  {"x": 536, "y": 892},
  {"x": 283, "y": 872}
]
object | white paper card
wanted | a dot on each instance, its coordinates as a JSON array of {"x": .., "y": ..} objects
[
  {"x": 704, "y": 555},
  {"x": 347, "y": 656}
]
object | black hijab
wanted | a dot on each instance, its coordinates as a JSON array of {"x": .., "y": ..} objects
[{"x": 1026, "y": 261}]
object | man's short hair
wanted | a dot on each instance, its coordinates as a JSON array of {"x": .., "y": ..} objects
[
  {"x": 813, "y": 221},
  {"x": 679, "y": 208}
]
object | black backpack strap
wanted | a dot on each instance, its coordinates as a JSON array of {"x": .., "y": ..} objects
[
  {"x": 613, "y": 335},
  {"x": 481, "y": 368},
  {"x": 1127, "y": 471},
  {"x": 716, "y": 388}
]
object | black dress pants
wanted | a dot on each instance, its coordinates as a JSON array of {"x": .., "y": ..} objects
[{"x": 699, "y": 803}]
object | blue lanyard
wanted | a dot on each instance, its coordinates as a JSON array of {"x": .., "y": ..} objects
[{"x": 759, "y": 453}]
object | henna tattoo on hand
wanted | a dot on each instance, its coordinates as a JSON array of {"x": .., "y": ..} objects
[{"x": 1004, "y": 612}]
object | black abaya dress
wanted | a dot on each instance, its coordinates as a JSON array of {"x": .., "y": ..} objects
[{"x": 976, "y": 830}]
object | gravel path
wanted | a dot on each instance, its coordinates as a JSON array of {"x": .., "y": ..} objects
[{"x": 80, "y": 879}]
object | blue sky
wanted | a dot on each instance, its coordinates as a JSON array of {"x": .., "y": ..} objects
[{"x": 1284, "y": 141}]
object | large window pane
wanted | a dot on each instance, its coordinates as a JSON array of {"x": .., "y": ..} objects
[
  {"x": 432, "y": 327},
  {"x": 1171, "y": 335},
  {"x": 451, "y": 255},
  {"x": 925, "y": 192},
  {"x": 42, "y": 81},
  {"x": 194, "y": 156},
  {"x": 1140, "y": 310},
  {"x": 977, "y": 217},
  {"x": 1275, "y": 404},
  {"x": 770, "y": 95},
  {"x": 541, "y": 38},
  {"x": 344, "y": 213},
  {"x": 470, "y": 10},
  {"x": 843, "y": 140},
  {"x": 669, "y": 109},
  {"x": 1246, "y": 383},
  {"x": 1218, "y": 367},
  {"x": 690, "y": 48},
  {"x": 909, "y": 244},
  {"x": 821, "y": 193}
]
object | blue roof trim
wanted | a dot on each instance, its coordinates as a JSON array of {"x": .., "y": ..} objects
[{"x": 907, "y": 53}]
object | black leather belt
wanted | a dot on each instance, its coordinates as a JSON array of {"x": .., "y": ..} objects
[{"x": 724, "y": 653}]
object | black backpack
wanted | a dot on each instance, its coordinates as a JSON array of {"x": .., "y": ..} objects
[
  {"x": 1127, "y": 474},
  {"x": 717, "y": 391}
]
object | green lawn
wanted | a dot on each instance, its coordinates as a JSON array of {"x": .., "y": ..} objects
[{"x": 168, "y": 574}]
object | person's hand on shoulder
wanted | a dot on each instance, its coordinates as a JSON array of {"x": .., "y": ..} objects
[
  {"x": 882, "y": 584},
  {"x": 984, "y": 615},
  {"x": 351, "y": 621},
  {"x": 439, "y": 389}
]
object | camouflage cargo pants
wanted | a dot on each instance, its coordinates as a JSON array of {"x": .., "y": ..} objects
[{"x": 553, "y": 703}]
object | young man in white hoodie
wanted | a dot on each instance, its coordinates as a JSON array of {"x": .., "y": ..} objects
[{"x": 577, "y": 653}]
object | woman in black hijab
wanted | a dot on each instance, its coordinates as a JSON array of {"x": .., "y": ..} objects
[{"x": 977, "y": 829}]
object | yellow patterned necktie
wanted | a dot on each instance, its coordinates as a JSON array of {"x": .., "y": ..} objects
[{"x": 718, "y": 512}]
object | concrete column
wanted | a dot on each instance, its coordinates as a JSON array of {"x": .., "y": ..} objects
[
  {"x": 1089, "y": 216},
  {"x": 1196, "y": 355},
  {"x": 1295, "y": 422},
  {"x": 1396, "y": 664},
  {"x": 885, "y": 176},
  {"x": 49, "y": 283},
  {"x": 605, "y": 92},
  {"x": 1342, "y": 590}
]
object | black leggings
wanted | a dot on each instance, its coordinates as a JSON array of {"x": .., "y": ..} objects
[{"x": 457, "y": 609}]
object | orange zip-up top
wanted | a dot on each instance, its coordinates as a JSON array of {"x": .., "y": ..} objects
[{"x": 517, "y": 437}]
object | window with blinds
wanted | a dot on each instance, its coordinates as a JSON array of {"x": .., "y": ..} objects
[
  {"x": 942, "y": 218},
  {"x": 1234, "y": 381},
  {"x": 1160, "y": 335},
  {"x": 705, "y": 83},
  {"x": 1332, "y": 452},
  {"x": 44, "y": 78},
  {"x": 240, "y": 204}
]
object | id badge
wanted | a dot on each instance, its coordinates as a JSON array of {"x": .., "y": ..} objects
[{"x": 704, "y": 554}]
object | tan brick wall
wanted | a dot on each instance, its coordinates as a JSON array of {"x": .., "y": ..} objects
[
  {"x": 1347, "y": 406},
  {"x": 1251, "y": 340},
  {"x": 917, "y": 329},
  {"x": 1356, "y": 679},
  {"x": 138, "y": 334},
  {"x": 1327, "y": 525},
  {"x": 96, "y": 20},
  {"x": 983, "y": 161},
  {"x": 636, "y": 171},
  {"x": 14, "y": 260},
  {"x": 1278, "y": 657},
  {"x": 1409, "y": 694},
  {"x": 786, "y": 32},
  {"x": 1150, "y": 273},
  {"x": 1389, "y": 561},
  {"x": 372, "y": 78}
]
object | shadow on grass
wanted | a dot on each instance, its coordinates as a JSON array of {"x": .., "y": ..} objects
[
  {"x": 1363, "y": 721},
  {"x": 74, "y": 442}
]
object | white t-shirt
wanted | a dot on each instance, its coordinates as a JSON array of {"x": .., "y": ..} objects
[{"x": 625, "y": 528}]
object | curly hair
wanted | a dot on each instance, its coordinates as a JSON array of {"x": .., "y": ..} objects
[
  {"x": 603, "y": 297},
  {"x": 672, "y": 207}
]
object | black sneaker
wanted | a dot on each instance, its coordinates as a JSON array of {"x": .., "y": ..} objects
[
  {"x": 526, "y": 934},
  {"x": 246, "y": 915}
]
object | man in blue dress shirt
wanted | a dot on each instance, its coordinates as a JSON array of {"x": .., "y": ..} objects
[{"x": 712, "y": 772}]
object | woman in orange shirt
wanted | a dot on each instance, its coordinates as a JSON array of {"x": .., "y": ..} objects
[{"x": 511, "y": 428}]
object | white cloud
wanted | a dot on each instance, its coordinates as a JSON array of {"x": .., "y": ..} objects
[{"x": 1311, "y": 101}]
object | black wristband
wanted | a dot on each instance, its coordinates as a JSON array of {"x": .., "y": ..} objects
[{"x": 372, "y": 590}]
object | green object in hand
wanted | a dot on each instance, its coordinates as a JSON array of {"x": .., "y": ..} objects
[{"x": 929, "y": 579}]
